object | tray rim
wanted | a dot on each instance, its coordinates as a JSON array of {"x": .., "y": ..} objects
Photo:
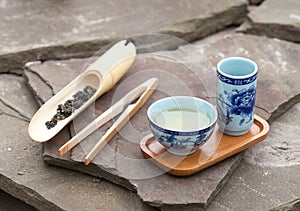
[{"x": 232, "y": 150}]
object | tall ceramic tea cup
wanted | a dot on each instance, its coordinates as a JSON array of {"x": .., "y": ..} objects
[{"x": 236, "y": 90}]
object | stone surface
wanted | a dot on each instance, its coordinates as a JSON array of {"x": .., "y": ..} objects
[
  {"x": 24, "y": 175},
  {"x": 7, "y": 202},
  {"x": 76, "y": 29},
  {"x": 290, "y": 206},
  {"x": 281, "y": 148},
  {"x": 275, "y": 18},
  {"x": 276, "y": 56},
  {"x": 56, "y": 30},
  {"x": 269, "y": 175},
  {"x": 277, "y": 61},
  {"x": 255, "y": 2},
  {"x": 258, "y": 188},
  {"x": 15, "y": 95},
  {"x": 187, "y": 193},
  {"x": 278, "y": 76},
  {"x": 121, "y": 161}
]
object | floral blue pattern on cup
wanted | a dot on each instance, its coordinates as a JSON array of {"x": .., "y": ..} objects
[
  {"x": 181, "y": 143},
  {"x": 238, "y": 103}
]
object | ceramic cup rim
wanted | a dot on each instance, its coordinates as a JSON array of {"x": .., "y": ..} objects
[
  {"x": 182, "y": 132},
  {"x": 254, "y": 72}
]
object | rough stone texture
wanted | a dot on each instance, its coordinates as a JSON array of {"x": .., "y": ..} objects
[
  {"x": 187, "y": 193},
  {"x": 267, "y": 178},
  {"x": 121, "y": 161},
  {"x": 272, "y": 54},
  {"x": 278, "y": 77},
  {"x": 258, "y": 188},
  {"x": 7, "y": 202},
  {"x": 275, "y": 18},
  {"x": 281, "y": 148},
  {"x": 255, "y": 2},
  {"x": 290, "y": 206},
  {"x": 24, "y": 175},
  {"x": 44, "y": 30},
  {"x": 277, "y": 61},
  {"x": 14, "y": 94}
]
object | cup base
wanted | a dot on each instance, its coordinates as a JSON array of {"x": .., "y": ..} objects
[
  {"x": 235, "y": 133},
  {"x": 180, "y": 152}
]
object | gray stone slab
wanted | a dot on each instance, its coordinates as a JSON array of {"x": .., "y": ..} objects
[
  {"x": 281, "y": 148},
  {"x": 269, "y": 174},
  {"x": 122, "y": 161},
  {"x": 289, "y": 206},
  {"x": 272, "y": 55},
  {"x": 277, "y": 62},
  {"x": 255, "y": 2},
  {"x": 7, "y": 202},
  {"x": 4, "y": 109},
  {"x": 278, "y": 76},
  {"x": 274, "y": 18},
  {"x": 15, "y": 95},
  {"x": 24, "y": 175},
  {"x": 44, "y": 30},
  {"x": 258, "y": 188}
]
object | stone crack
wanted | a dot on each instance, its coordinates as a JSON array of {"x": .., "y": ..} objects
[
  {"x": 263, "y": 109},
  {"x": 41, "y": 78},
  {"x": 11, "y": 73},
  {"x": 22, "y": 116},
  {"x": 283, "y": 107},
  {"x": 116, "y": 152},
  {"x": 25, "y": 193},
  {"x": 10, "y": 115}
]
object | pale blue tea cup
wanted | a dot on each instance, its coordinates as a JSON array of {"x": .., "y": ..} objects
[{"x": 236, "y": 90}]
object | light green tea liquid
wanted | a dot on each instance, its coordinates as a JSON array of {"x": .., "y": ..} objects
[{"x": 182, "y": 119}]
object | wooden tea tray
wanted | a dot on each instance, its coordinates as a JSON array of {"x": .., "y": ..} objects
[{"x": 216, "y": 149}]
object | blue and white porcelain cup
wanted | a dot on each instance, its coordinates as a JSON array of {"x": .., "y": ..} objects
[{"x": 236, "y": 90}]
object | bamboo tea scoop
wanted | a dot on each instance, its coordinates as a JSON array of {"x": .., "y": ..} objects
[{"x": 102, "y": 75}]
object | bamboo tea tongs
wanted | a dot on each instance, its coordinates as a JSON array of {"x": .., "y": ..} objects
[{"x": 125, "y": 105}]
